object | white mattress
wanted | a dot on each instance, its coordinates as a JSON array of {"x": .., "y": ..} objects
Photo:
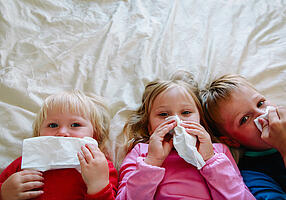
[{"x": 112, "y": 48}]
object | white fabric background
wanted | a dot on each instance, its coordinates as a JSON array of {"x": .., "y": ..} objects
[{"x": 112, "y": 48}]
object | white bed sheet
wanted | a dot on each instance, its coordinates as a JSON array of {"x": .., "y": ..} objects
[{"x": 112, "y": 48}]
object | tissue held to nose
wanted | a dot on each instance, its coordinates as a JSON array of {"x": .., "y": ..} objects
[
  {"x": 51, "y": 152},
  {"x": 265, "y": 116},
  {"x": 185, "y": 144}
]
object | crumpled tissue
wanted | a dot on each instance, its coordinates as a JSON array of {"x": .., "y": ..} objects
[
  {"x": 265, "y": 116},
  {"x": 185, "y": 144},
  {"x": 49, "y": 152}
]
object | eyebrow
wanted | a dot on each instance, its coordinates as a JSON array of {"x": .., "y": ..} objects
[
  {"x": 183, "y": 105},
  {"x": 160, "y": 107},
  {"x": 258, "y": 96}
]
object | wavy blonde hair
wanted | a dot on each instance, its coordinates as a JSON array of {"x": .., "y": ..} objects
[{"x": 90, "y": 106}]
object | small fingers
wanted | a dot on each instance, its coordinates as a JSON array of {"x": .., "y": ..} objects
[
  {"x": 193, "y": 126},
  {"x": 81, "y": 158},
  {"x": 30, "y": 176},
  {"x": 198, "y": 133},
  {"x": 161, "y": 131},
  {"x": 281, "y": 112},
  {"x": 30, "y": 171},
  {"x": 273, "y": 115},
  {"x": 168, "y": 123},
  {"x": 263, "y": 122},
  {"x": 93, "y": 149},
  {"x": 31, "y": 194},
  {"x": 88, "y": 152},
  {"x": 32, "y": 185}
]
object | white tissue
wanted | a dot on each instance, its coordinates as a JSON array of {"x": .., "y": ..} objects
[
  {"x": 265, "y": 117},
  {"x": 185, "y": 144},
  {"x": 50, "y": 152}
]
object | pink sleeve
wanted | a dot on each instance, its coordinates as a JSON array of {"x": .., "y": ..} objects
[
  {"x": 136, "y": 175},
  {"x": 223, "y": 177}
]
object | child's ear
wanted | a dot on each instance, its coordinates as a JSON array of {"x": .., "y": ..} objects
[{"x": 229, "y": 141}]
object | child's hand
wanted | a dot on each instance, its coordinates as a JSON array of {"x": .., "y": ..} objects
[
  {"x": 21, "y": 185},
  {"x": 159, "y": 148},
  {"x": 277, "y": 130},
  {"x": 205, "y": 147},
  {"x": 94, "y": 168}
]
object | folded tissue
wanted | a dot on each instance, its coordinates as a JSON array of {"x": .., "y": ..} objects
[
  {"x": 264, "y": 116},
  {"x": 50, "y": 152},
  {"x": 185, "y": 144}
]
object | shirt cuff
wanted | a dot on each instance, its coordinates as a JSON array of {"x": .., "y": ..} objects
[{"x": 100, "y": 193}]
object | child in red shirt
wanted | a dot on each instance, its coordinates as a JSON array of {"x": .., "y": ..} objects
[{"x": 67, "y": 114}]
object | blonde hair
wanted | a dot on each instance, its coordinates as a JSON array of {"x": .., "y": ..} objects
[
  {"x": 211, "y": 97},
  {"x": 136, "y": 128},
  {"x": 187, "y": 77},
  {"x": 90, "y": 106}
]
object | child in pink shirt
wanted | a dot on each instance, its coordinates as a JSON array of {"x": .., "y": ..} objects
[{"x": 153, "y": 169}]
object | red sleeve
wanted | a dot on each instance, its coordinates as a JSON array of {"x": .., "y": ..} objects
[
  {"x": 14, "y": 167},
  {"x": 109, "y": 192}
]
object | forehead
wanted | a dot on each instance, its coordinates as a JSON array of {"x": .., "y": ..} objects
[
  {"x": 58, "y": 110},
  {"x": 175, "y": 94},
  {"x": 242, "y": 95},
  {"x": 239, "y": 100}
]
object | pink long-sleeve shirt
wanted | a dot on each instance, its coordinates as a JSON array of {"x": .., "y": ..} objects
[{"x": 176, "y": 179}]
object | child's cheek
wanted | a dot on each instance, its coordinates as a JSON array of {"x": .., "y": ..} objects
[{"x": 195, "y": 118}]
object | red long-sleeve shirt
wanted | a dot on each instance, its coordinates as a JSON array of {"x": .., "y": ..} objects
[{"x": 66, "y": 184}]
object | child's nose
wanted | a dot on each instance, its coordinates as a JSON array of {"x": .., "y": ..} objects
[{"x": 62, "y": 132}]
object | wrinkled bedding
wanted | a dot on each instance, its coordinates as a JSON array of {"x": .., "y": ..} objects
[{"x": 113, "y": 48}]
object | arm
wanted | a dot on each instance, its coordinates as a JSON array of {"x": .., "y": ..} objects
[
  {"x": 220, "y": 171},
  {"x": 277, "y": 131},
  {"x": 16, "y": 184},
  {"x": 223, "y": 177},
  {"x": 98, "y": 174},
  {"x": 141, "y": 170},
  {"x": 136, "y": 175},
  {"x": 109, "y": 192}
]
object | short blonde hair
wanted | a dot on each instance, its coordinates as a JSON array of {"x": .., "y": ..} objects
[
  {"x": 216, "y": 92},
  {"x": 136, "y": 128},
  {"x": 90, "y": 106},
  {"x": 211, "y": 98}
]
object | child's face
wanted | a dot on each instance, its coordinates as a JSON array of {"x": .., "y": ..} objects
[
  {"x": 238, "y": 114},
  {"x": 174, "y": 101},
  {"x": 66, "y": 125}
]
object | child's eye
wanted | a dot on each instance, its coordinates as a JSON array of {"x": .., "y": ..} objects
[
  {"x": 260, "y": 103},
  {"x": 163, "y": 114},
  {"x": 53, "y": 125},
  {"x": 186, "y": 112},
  {"x": 75, "y": 125},
  {"x": 243, "y": 120}
]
